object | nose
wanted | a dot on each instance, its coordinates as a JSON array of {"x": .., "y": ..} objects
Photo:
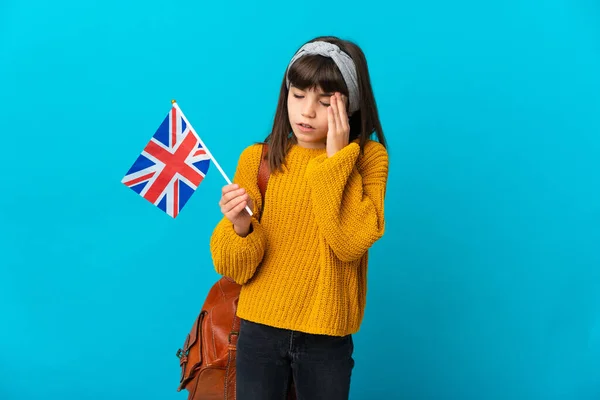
[{"x": 308, "y": 110}]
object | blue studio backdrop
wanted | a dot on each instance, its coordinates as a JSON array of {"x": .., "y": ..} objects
[{"x": 486, "y": 285}]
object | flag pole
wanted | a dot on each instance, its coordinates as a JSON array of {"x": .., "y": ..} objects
[{"x": 206, "y": 149}]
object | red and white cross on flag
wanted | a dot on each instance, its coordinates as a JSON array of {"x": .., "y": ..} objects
[{"x": 172, "y": 165}]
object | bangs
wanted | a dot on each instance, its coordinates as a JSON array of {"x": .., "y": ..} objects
[{"x": 312, "y": 71}]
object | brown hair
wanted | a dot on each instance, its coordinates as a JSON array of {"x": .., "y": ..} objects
[{"x": 311, "y": 71}]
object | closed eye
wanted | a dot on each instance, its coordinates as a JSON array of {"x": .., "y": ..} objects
[{"x": 301, "y": 97}]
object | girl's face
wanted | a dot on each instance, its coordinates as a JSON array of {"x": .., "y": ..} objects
[{"x": 307, "y": 110}]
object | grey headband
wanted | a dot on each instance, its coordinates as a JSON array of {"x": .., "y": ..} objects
[{"x": 343, "y": 62}]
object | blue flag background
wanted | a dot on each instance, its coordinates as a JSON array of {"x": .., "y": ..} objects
[{"x": 486, "y": 285}]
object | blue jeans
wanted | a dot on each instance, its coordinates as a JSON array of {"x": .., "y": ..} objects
[{"x": 268, "y": 358}]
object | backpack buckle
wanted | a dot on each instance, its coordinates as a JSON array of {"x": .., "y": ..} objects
[
  {"x": 180, "y": 353},
  {"x": 233, "y": 333}
]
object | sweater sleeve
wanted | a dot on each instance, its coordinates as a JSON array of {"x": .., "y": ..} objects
[
  {"x": 347, "y": 192},
  {"x": 234, "y": 256}
]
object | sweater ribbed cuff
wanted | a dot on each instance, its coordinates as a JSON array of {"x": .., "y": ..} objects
[{"x": 235, "y": 256}]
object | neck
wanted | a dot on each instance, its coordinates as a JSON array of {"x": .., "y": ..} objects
[{"x": 311, "y": 145}]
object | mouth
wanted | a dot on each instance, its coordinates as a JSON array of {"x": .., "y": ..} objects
[{"x": 305, "y": 127}]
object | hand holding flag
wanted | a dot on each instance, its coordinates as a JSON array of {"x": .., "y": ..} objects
[{"x": 172, "y": 165}]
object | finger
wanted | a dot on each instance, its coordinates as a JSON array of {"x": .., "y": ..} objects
[
  {"x": 343, "y": 114},
  {"x": 330, "y": 119},
  {"x": 344, "y": 99},
  {"x": 229, "y": 188},
  {"x": 342, "y": 107},
  {"x": 240, "y": 207},
  {"x": 224, "y": 192},
  {"x": 233, "y": 194},
  {"x": 231, "y": 205},
  {"x": 336, "y": 112}
]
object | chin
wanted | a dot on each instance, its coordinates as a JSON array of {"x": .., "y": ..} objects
[
  {"x": 308, "y": 136},
  {"x": 305, "y": 138}
]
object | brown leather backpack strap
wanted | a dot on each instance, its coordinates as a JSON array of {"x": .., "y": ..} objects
[{"x": 263, "y": 174}]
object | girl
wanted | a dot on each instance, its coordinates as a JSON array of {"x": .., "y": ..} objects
[{"x": 303, "y": 266}]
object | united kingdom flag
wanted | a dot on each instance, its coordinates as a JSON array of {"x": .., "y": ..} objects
[{"x": 171, "y": 166}]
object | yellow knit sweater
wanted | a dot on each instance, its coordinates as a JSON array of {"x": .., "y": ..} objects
[{"x": 304, "y": 265}]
